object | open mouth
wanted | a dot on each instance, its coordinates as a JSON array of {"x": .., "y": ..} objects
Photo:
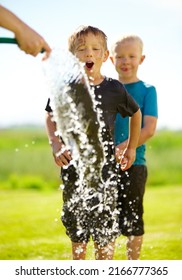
[{"x": 89, "y": 65}]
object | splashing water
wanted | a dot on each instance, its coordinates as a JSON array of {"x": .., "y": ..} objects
[
  {"x": 74, "y": 111},
  {"x": 79, "y": 124}
]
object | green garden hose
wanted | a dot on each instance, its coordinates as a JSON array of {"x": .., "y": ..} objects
[{"x": 6, "y": 40}]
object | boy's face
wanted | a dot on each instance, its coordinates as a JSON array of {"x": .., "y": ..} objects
[
  {"x": 90, "y": 50},
  {"x": 126, "y": 58}
]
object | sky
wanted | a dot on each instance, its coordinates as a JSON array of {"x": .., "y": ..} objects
[{"x": 23, "y": 89}]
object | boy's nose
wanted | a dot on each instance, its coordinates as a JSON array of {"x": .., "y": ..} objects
[
  {"x": 89, "y": 53},
  {"x": 124, "y": 60}
]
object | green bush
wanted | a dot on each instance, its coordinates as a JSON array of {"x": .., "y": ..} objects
[
  {"x": 27, "y": 182},
  {"x": 164, "y": 153}
]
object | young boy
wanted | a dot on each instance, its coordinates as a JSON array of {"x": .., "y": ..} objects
[
  {"x": 89, "y": 45},
  {"x": 126, "y": 57}
]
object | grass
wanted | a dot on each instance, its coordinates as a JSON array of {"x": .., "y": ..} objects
[
  {"x": 26, "y": 160},
  {"x": 163, "y": 224},
  {"x": 30, "y": 227},
  {"x": 25, "y": 155},
  {"x": 164, "y": 153}
]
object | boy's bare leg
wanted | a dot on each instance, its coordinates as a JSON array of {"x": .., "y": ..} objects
[
  {"x": 79, "y": 250},
  {"x": 134, "y": 244},
  {"x": 104, "y": 253}
]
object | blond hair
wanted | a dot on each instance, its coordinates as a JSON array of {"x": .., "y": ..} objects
[
  {"x": 83, "y": 31},
  {"x": 128, "y": 38}
]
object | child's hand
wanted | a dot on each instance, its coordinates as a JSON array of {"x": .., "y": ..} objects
[
  {"x": 124, "y": 163},
  {"x": 119, "y": 151},
  {"x": 127, "y": 159},
  {"x": 62, "y": 156}
]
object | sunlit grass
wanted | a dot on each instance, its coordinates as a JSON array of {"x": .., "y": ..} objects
[
  {"x": 30, "y": 226},
  {"x": 26, "y": 152},
  {"x": 163, "y": 225},
  {"x": 30, "y": 203}
]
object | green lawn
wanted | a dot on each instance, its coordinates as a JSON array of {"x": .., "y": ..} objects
[
  {"x": 30, "y": 203},
  {"x": 163, "y": 224},
  {"x": 30, "y": 228}
]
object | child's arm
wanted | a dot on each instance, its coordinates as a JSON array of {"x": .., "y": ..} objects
[
  {"x": 147, "y": 131},
  {"x": 129, "y": 154},
  {"x": 61, "y": 155}
]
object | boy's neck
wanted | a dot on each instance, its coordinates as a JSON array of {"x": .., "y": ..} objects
[
  {"x": 96, "y": 80},
  {"x": 129, "y": 80}
]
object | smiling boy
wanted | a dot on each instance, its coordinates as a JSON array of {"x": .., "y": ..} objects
[{"x": 127, "y": 55}]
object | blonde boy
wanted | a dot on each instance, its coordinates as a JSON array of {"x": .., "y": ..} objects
[
  {"x": 127, "y": 55},
  {"x": 89, "y": 45}
]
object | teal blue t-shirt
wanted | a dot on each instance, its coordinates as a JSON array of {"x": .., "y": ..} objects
[{"x": 146, "y": 97}]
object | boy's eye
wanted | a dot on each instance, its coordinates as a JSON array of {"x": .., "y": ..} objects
[{"x": 80, "y": 48}]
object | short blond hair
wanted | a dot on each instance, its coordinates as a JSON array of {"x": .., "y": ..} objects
[
  {"x": 83, "y": 31},
  {"x": 126, "y": 38}
]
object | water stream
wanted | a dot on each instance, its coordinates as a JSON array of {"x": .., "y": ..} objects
[{"x": 79, "y": 124}]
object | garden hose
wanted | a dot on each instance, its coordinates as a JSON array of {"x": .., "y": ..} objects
[{"x": 6, "y": 40}]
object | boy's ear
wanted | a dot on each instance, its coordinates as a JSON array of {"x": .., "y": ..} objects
[
  {"x": 142, "y": 59},
  {"x": 106, "y": 55},
  {"x": 112, "y": 60}
]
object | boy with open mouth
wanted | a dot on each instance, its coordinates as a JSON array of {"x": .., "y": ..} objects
[{"x": 89, "y": 45}]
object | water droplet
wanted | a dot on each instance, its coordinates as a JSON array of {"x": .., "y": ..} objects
[{"x": 61, "y": 187}]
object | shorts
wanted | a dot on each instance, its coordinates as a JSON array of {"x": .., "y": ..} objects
[
  {"x": 130, "y": 200},
  {"x": 87, "y": 213}
]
